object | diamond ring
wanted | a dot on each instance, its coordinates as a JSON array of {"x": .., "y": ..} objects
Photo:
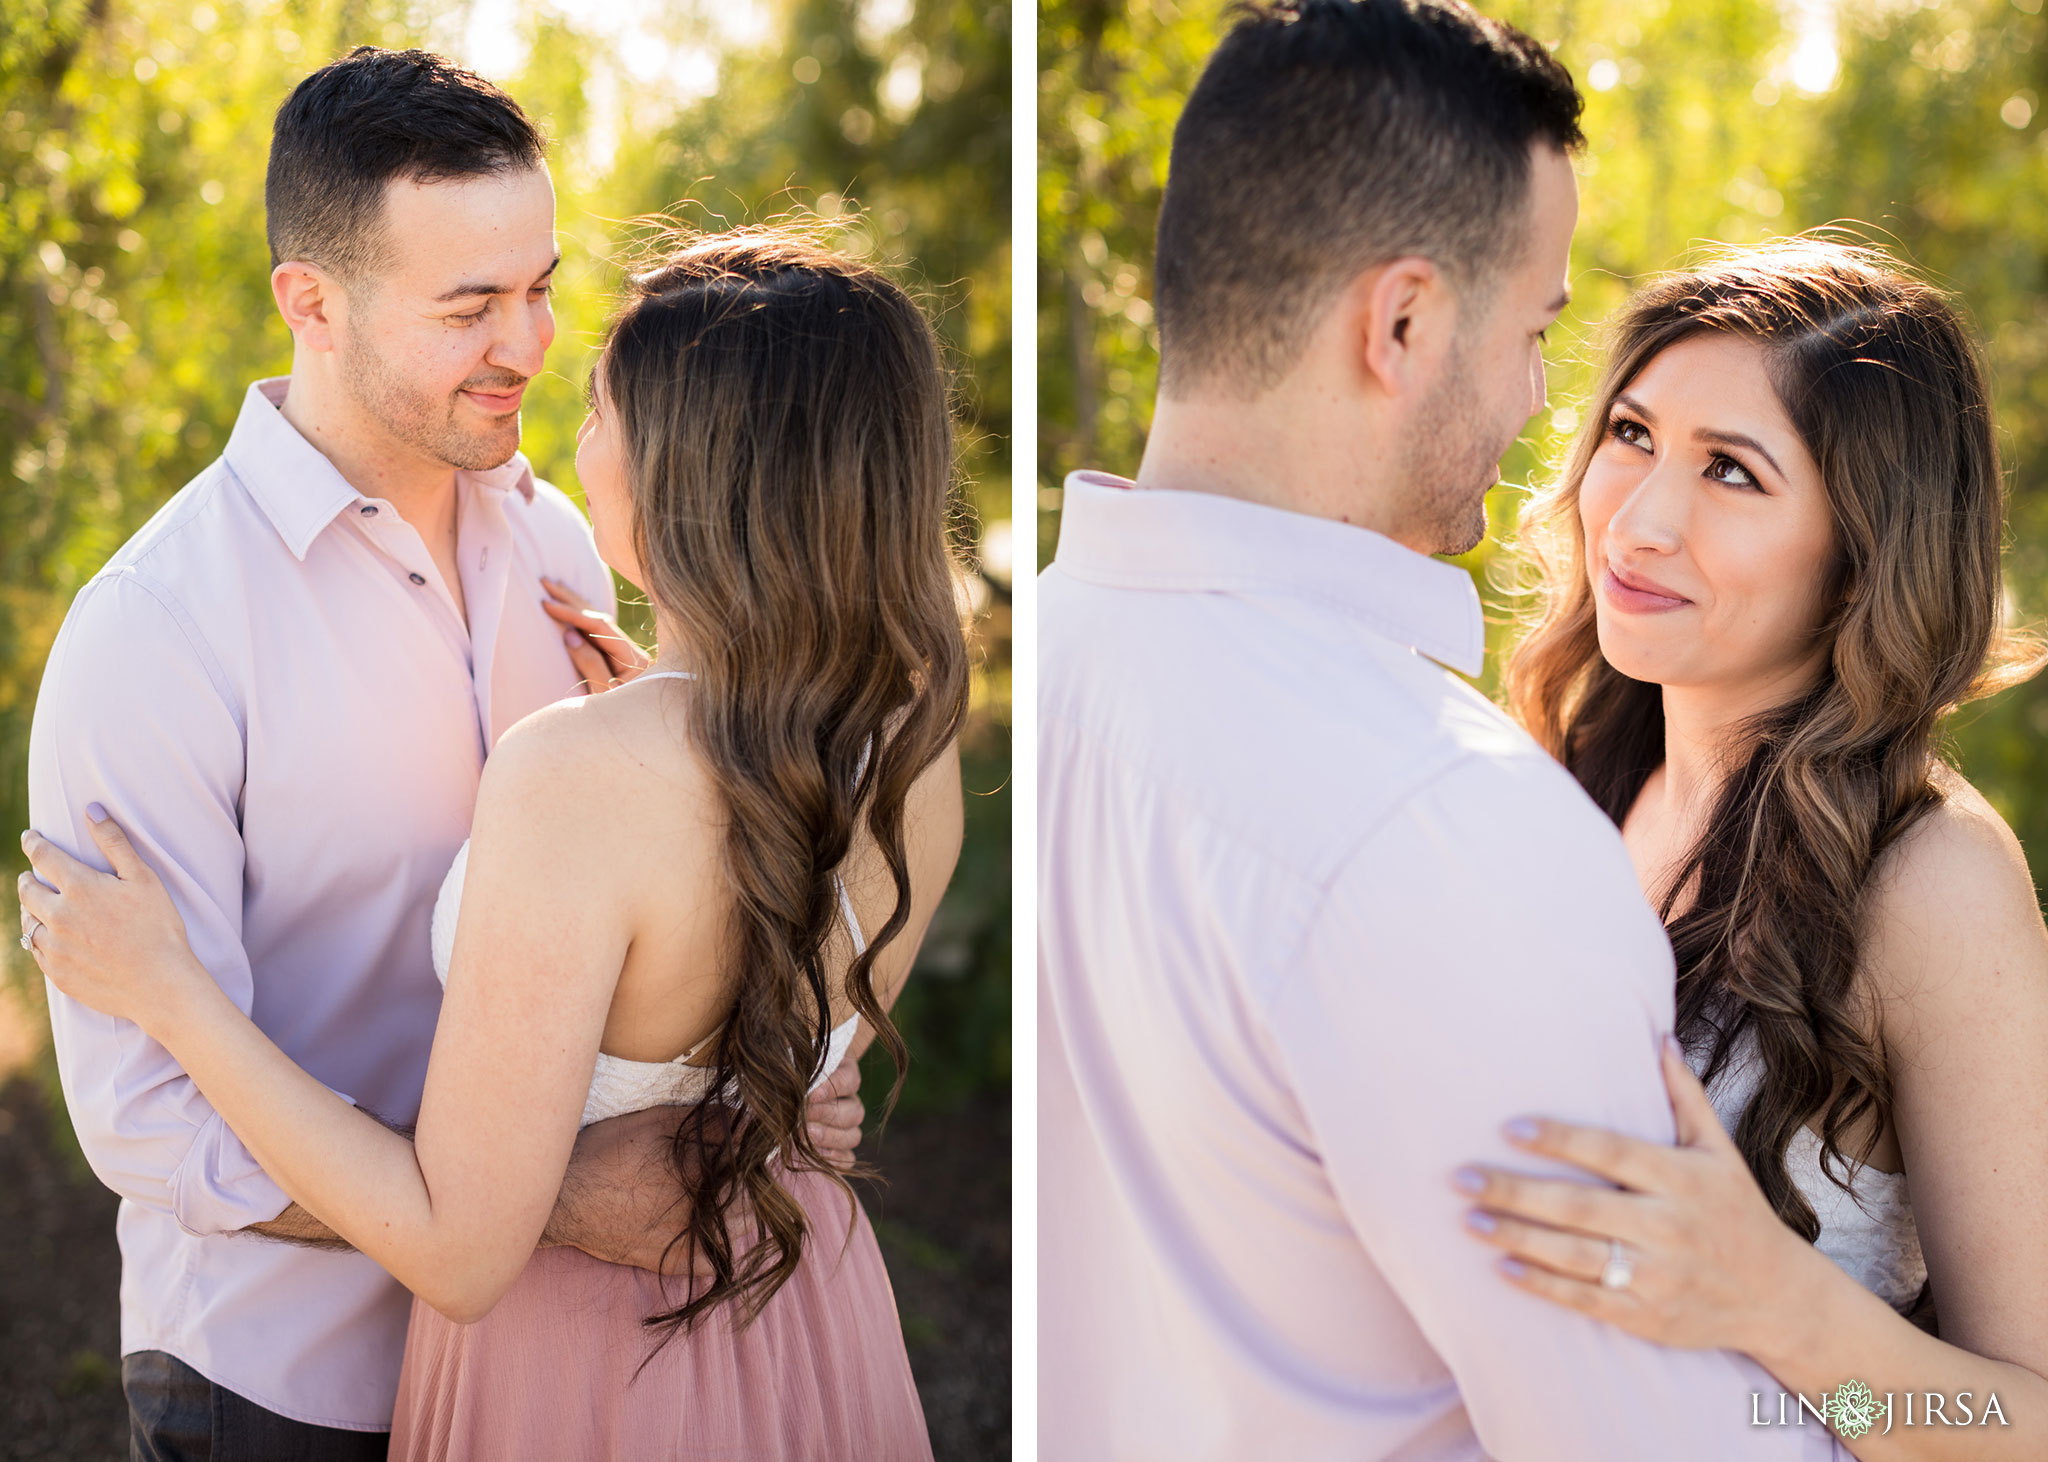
[
  {"x": 1618, "y": 1271},
  {"x": 28, "y": 940}
]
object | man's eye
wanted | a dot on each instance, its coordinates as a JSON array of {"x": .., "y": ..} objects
[{"x": 469, "y": 319}]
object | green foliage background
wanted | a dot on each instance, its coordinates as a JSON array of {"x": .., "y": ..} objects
[
  {"x": 135, "y": 304},
  {"x": 1930, "y": 137}
]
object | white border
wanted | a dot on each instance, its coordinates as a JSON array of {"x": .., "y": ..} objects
[{"x": 1024, "y": 731}]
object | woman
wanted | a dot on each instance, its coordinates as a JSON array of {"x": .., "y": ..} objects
[
  {"x": 768, "y": 455},
  {"x": 1772, "y": 569}
]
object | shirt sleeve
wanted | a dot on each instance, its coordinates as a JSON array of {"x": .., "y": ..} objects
[
  {"x": 135, "y": 714},
  {"x": 1487, "y": 954}
]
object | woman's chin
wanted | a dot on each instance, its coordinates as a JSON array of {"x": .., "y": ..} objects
[{"x": 1628, "y": 656}]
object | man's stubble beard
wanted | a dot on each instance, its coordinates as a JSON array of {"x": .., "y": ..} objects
[
  {"x": 425, "y": 425},
  {"x": 1450, "y": 469}
]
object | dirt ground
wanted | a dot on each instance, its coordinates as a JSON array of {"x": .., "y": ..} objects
[{"x": 943, "y": 1222}]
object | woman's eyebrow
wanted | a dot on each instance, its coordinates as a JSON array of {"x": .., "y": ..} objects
[
  {"x": 1737, "y": 439},
  {"x": 1637, "y": 407}
]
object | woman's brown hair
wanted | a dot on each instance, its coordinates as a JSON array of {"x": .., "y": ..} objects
[
  {"x": 789, "y": 456},
  {"x": 1884, "y": 386}
]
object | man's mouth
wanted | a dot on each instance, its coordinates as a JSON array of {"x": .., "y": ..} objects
[{"x": 497, "y": 402}]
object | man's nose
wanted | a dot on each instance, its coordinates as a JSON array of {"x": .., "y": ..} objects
[{"x": 523, "y": 345}]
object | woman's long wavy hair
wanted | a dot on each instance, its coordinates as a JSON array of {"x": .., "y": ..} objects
[
  {"x": 789, "y": 457},
  {"x": 1885, "y": 387}
]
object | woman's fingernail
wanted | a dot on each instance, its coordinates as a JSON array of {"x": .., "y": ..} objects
[
  {"x": 1521, "y": 1129},
  {"x": 1480, "y": 1221},
  {"x": 96, "y": 812},
  {"x": 1470, "y": 1179},
  {"x": 1513, "y": 1268}
]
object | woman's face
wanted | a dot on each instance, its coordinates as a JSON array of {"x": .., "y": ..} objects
[
  {"x": 601, "y": 468},
  {"x": 1709, "y": 536}
]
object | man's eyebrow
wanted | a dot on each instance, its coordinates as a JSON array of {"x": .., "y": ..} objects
[{"x": 471, "y": 287}]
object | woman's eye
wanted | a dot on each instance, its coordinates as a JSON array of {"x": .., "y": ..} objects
[
  {"x": 1732, "y": 472},
  {"x": 1632, "y": 432}
]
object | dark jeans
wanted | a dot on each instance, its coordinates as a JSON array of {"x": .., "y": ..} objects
[{"x": 177, "y": 1415}]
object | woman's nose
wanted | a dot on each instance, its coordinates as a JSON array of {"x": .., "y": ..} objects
[{"x": 1652, "y": 516}]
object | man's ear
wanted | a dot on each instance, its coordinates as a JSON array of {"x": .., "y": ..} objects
[
  {"x": 1404, "y": 315},
  {"x": 310, "y": 300}
]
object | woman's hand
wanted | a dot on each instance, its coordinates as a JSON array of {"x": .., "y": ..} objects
[
  {"x": 113, "y": 941},
  {"x": 1709, "y": 1263},
  {"x": 598, "y": 648}
]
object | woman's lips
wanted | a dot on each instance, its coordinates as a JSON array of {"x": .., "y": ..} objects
[
  {"x": 498, "y": 401},
  {"x": 1637, "y": 596}
]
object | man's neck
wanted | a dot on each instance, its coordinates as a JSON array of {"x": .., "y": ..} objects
[
  {"x": 1271, "y": 452},
  {"x": 367, "y": 457}
]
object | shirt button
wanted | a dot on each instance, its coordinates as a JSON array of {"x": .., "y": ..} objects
[
  {"x": 369, "y": 510},
  {"x": 416, "y": 578}
]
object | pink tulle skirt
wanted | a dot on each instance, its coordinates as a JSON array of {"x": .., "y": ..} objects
[{"x": 550, "y": 1373}]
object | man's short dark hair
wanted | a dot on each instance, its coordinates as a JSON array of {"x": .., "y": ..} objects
[
  {"x": 351, "y": 127},
  {"x": 1327, "y": 136}
]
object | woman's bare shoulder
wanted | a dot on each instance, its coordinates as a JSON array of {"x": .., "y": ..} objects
[
  {"x": 604, "y": 767},
  {"x": 1953, "y": 920}
]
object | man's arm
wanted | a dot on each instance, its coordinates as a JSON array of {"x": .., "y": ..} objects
[
  {"x": 620, "y": 1200},
  {"x": 1486, "y": 954},
  {"x": 135, "y": 713}
]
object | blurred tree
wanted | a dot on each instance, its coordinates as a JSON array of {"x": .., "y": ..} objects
[
  {"x": 1916, "y": 123},
  {"x": 135, "y": 304}
]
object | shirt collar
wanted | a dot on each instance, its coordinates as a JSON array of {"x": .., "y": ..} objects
[
  {"x": 1201, "y": 542},
  {"x": 298, "y": 489}
]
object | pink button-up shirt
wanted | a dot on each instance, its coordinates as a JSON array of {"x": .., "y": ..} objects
[
  {"x": 271, "y": 688},
  {"x": 1314, "y": 920}
]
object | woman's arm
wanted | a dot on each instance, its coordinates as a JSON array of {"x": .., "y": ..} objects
[
  {"x": 933, "y": 823},
  {"x": 455, "y": 1213},
  {"x": 1959, "y": 964}
]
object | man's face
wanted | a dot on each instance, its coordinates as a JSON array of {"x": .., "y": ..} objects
[
  {"x": 440, "y": 343},
  {"x": 1492, "y": 381}
]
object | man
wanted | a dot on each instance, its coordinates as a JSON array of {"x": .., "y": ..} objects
[
  {"x": 1315, "y": 919},
  {"x": 285, "y": 687}
]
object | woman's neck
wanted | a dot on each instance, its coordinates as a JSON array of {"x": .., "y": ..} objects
[
  {"x": 1702, "y": 740},
  {"x": 671, "y": 650},
  {"x": 1703, "y": 729}
]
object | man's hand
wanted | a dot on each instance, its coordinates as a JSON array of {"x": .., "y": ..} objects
[
  {"x": 836, "y": 1113},
  {"x": 621, "y": 1201},
  {"x": 296, "y": 1226},
  {"x": 598, "y": 648}
]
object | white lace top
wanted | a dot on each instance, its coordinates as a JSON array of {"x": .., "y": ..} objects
[
  {"x": 618, "y": 1086},
  {"x": 1868, "y": 1231}
]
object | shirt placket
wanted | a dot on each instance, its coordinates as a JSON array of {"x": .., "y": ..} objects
[
  {"x": 484, "y": 558},
  {"x": 399, "y": 544}
]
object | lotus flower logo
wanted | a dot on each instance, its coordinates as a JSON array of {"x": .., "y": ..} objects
[{"x": 1853, "y": 1409}]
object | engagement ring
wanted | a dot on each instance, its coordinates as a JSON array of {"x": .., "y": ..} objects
[
  {"x": 28, "y": 940},
  {"x": 1617, "y": 1272}
]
